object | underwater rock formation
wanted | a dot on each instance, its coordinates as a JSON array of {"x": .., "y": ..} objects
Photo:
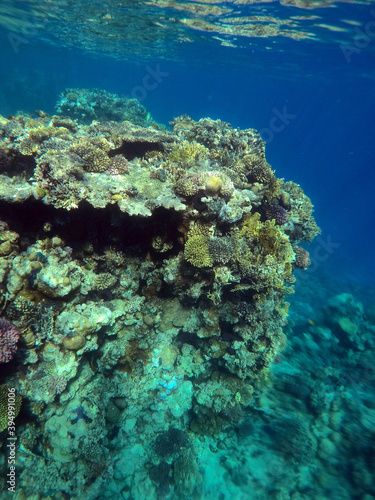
[
  {"x": 86, "y": 105},
  {"x": 147, "y": 271}
]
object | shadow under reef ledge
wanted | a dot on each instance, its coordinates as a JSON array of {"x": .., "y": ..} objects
[{"x": 100, "y": 226}]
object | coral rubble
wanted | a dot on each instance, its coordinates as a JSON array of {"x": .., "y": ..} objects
[{"x": 147, "y": 271}]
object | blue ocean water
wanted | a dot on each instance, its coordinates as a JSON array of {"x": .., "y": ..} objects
[{"x": 304, "y": 78}]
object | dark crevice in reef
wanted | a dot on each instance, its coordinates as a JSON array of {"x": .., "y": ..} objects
[
  {"x": 131, "y": 149},
  {"x": 187, "y": 338},
  {"x": 16, "y": 164},
  {"x": 102, "y": 227}
]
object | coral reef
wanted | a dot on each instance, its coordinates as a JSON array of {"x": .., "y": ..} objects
[
  {"x": 147, "y": 271},
  {"x": 87, "y": 105}
]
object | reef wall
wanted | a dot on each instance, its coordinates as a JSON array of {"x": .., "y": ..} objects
[{"x": 146, "y": 270}]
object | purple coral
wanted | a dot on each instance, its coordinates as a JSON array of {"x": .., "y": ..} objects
[
  {"x": 278, "y": 213},
  {"x": 9, "y": 336}
]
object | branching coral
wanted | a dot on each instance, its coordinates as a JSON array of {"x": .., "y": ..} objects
[{"x": 197, "y": 252}]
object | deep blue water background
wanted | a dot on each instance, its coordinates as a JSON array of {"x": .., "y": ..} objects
[{"x": 327, "y": 147}]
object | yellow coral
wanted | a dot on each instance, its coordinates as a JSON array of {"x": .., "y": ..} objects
[
  {"x": 250, "y": 226},
  {"x": 214, "y": 184},
  {"x": 101, "y": 143},
  {"x": 188, "y": 152},
  {"x": 264, "y": 254},
  {"x": 274, "y": 241},
  {"x": 217, "y": 182},
  {"x": 41, "y": 133},
  {"x": 271, "y": 237},
  {"x": 96, "y": 161},
  {"x": 196, "y": 228},
  {"x": 196, "y": 251},
  {"x": 273, "y": 191}
]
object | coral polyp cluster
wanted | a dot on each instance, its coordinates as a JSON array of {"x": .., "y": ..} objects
[{"x": 158, "y": 259}]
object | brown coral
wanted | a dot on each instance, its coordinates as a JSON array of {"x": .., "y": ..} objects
[
  {"x": 256, "y": 168},
  {"x": 96, "y": 161},
  {"x": 302, "y": 258},
  {"x": 118, "y": 166}
]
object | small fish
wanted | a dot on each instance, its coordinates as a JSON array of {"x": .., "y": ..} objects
[{"x": 311, "y": 322}]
